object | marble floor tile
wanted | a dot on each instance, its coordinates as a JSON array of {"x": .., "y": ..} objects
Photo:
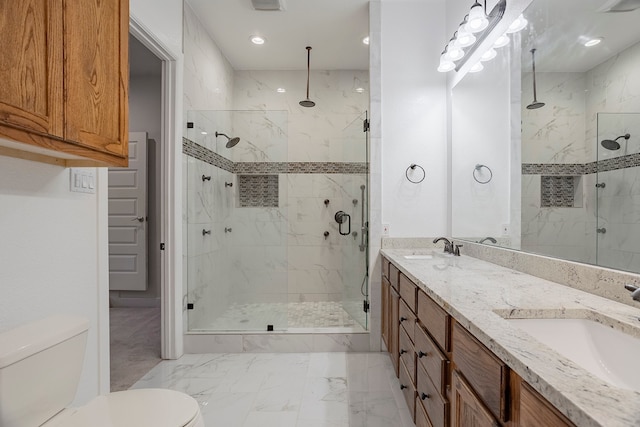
[{"x": 287, "y": 390}]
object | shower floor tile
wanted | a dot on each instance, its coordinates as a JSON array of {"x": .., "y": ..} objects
[{"x": 293, "y": 315}]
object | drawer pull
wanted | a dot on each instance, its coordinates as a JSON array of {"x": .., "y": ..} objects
[
  {"x": 402, "y": 319},
  {"x": 402, "y": 351},
  {"x": 424, "y": 396},
  {"x": 402, "y": 386},
  {"x": 422, "y": 354}
]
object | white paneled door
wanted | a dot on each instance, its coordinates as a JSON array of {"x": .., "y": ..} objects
[{"x": 128, "y": 219}]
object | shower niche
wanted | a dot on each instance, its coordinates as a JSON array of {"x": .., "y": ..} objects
[{"x": 560, "y": 191}]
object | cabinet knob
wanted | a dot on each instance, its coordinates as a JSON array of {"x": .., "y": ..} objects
[
  {"x": 422, "y": 354},
  {"x": 402, "y": 352},
  {"x": 402, "y": 386},
  {"x": 424, "y": 396},
  {"x": 402, "y": 319}
]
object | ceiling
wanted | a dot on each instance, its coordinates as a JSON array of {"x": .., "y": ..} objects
[
  {"x": 333, "y": 28},
  {"x": 558, "y": 30}
]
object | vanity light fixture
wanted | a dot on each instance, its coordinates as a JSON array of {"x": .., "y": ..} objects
[
  {"x": 476, "y": 26},
  {"x": 366, "y": 40},
  {"x": 593, "y": 42},
  {"x": 257, "y": 40}
]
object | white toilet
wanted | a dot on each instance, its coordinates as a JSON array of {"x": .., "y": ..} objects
[{"x": 40, "y": 366}]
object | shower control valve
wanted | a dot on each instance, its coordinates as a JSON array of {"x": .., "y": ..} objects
[{"x": 326, "y": 235}]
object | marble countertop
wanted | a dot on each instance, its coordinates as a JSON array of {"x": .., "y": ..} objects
[{"x": 475, "y": 291}]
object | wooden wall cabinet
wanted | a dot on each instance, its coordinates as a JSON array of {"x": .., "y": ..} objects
[
  {"x": 448, "y": 377},
  {"x": 65, "y": 80}
]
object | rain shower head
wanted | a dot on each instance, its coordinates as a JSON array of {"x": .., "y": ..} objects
[
  {"x": 231, "y": 142},
  {"x": 613, "y": 144},
  {"x": 307, "y": 102},
  {"x": 535, "y": 104}
]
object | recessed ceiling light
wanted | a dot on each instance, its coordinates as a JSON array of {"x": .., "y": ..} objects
[
  {"x": 257, "y": 40},
  {"x": 366, "y": 40},
  {"x": 203, "y": 133},
  {"x": 593, "y": 42},
  {"x": 359, "y": 89},
  {"x": 281, "y": 90}
]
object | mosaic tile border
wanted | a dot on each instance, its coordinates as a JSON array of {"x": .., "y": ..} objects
[
  {"x": 199, "y": 152},
  {"x": 615, "y": 163}
]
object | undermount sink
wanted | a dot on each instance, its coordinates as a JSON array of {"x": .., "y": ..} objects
[
  {"x": 418, "y": 256},
  {"x": 609, "y": 354}
]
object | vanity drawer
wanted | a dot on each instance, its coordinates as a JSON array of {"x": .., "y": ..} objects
[
  {"x": 436, "y": 320},
  {"x": 385, "y": 267},
  {"x": 422, "y": 420},
  {"x": 484, "y": 372},
  {"x": 393, "y": 276},
  {"x": 408, "y": 355},
  {"x": 432, "y": 360},
  {"x": 408, "y": 390},
  {"x": 407, "y": 319},
  {"x": 408, "y": 292},
  {"x": 436, "y": 406}
]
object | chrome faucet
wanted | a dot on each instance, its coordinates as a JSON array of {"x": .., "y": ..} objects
[
  {"x": 448, "y": 246},
  {"x": 635, "y": 291}
]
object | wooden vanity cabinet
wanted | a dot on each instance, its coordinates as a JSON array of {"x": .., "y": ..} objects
[
  {"x": 447, "y": 376},
  {"x": 65, "y": 81}
]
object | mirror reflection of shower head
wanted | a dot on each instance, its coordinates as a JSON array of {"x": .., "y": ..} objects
[
  {"x": 613, "y": 144},
  {"x": 535, "y": 104},
  {"x": 307, "y": 102},
  {"x": 231, "y": 142}
]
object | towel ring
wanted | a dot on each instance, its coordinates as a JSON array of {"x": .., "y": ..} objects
[
  {"x": 412, "y": 167},
  {"x": 477, "y": 169}
]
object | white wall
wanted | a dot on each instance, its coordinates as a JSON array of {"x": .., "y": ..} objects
[
  {"x": 414, "y": 114},
  {"x": 50, "y": 260}
]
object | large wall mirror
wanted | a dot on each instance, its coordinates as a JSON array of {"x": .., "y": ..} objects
[{"x": 566, "y": 175}]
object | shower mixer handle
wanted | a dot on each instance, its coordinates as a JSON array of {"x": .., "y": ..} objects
[{"x": 341, "y": 217}]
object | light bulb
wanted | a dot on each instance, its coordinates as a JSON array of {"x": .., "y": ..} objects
[
  {"x": 501, "y": 41},
  {"x": 476, "y": 68},
  {"x": 454, "y": 53},
  {"x": 488, "y": 55},
  {"x": 477, "y": 19},
  {"x": 446, "y": 66},
  {"x": 464, "y": 38},
  {"x": 257, "y": 40},
  {"x": 517, "y": 25}
]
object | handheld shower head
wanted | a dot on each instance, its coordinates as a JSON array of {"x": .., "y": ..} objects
[
  {"x": 231, "y": 142},
  {"x": 613, "y": 144}
]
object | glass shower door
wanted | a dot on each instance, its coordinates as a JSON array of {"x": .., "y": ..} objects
[
  {"x": 617, "y": 230},
  {"x": 355, "y": 202}
]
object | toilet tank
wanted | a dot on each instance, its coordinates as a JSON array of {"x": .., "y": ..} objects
[{"x": 40, "y": 366}]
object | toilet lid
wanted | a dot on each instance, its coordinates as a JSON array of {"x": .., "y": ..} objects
[{"x": 139, "y": 408}]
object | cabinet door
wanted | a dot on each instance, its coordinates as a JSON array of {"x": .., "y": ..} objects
[
  {"x": 31, "y": 70},
  {"x": 386, "y": 286},
  {"x": 394, "y": 328},
  {"x": 467, "y": 409},
  {"x": 536, "y": 411},
  {"x": 96, "y": 34}
]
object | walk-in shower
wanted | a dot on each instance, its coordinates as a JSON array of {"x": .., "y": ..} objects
[{"x": 275, "y": 259}]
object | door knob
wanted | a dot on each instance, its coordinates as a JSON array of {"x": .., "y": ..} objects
[{"x": 138, "y": 218}]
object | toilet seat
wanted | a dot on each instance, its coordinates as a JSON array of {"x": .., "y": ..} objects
[{"x": 136, "y": 408}]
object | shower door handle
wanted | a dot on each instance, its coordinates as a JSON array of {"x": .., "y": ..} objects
[{"x": 341, "y": 217}]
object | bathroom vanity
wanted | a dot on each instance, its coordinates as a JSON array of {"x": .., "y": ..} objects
[{"x": 461, "y": 360}]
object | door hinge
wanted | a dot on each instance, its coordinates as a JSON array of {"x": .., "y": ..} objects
[
  {"x": 162, "y": 246},
  {"x": 365, "y": 306},
  {"x": 365, "y": 125}
]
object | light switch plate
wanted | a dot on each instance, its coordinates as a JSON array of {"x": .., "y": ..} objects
[{"x": 83, "y": 180}]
